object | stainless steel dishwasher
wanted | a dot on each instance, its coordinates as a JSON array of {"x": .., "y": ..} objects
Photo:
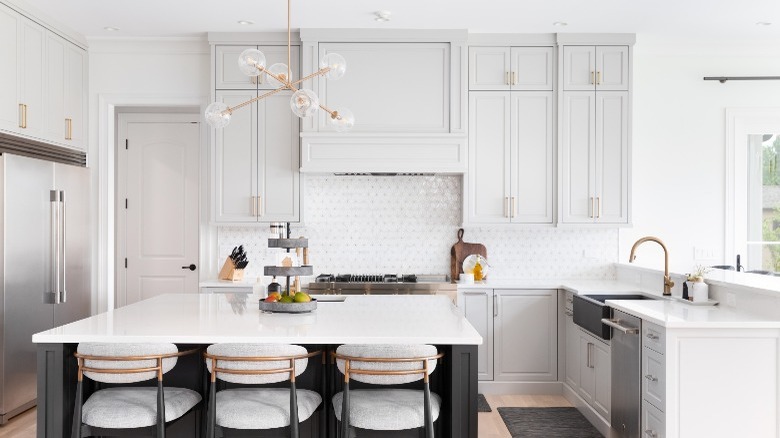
[{"x": 626, "y": 374}]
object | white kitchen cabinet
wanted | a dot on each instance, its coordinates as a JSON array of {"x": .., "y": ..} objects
[
  {"x": 588, "y": 68},
  {"x": 511, "y": 153},
  {"x": 229, "y": 77},
  {"x": 479, "y": 311},
  {"x": 653, "y": 380},
  {"x": 43, "y": 81},
  {"x": 256, "y": 160},
  {"x": 526, "y": 335},
  {"x": 390, "y": 87},
  {"x": 511, "y": 68},
  {"x": 572, "y": 373},
  {"x": 595, "y": 157},
  {"x": 519, "y": 331},
  {"x": 653, "y": 422},
  {"x": 595, "y": 373}
]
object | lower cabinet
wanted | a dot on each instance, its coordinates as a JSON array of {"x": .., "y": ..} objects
[
  {"x": 519, "y": 332},
  {"x": 653, "y": 380},
  {"x": 595, "y": 373}
]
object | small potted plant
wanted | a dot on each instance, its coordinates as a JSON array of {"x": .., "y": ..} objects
[{"x": 698, "y": 289}]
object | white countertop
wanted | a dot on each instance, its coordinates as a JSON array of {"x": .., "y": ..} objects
[
  {"x": 213, "y": 318},
  {"x": 576, "y": 286},
  {"x": 227, "y": 284}
]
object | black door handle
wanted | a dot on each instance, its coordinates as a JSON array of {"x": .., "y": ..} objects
[{"x": 191, "y": 267}]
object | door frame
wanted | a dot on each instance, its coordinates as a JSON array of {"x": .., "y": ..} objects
[
  {"x": 151, "y": 115},
  {"x": 104, "y": 148}
]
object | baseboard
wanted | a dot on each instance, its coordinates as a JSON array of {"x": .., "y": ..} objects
[
  {"x": 602, "y": 424},
  {"x": 14, "y": 412},
  {"x": 528, "y": 388}
]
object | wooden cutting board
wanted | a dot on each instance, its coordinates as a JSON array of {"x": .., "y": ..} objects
[{"x": 460, "y": 250}]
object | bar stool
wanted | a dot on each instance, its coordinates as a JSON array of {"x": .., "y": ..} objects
[
  {"x": 258, "y": 408},
  {"x": 386, "y": 409},
  {"x": 142, "y": 411}
]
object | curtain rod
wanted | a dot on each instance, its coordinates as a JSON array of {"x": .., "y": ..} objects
[{"x": 723, "y": 79}]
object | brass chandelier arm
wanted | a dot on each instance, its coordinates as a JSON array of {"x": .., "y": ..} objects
[
  {"x": 254, "y": 99},
  {"x": 286, "y": 85},
  {"x": 320, "y": 72}
]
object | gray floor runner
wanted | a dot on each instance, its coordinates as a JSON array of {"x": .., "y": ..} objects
[
  {"x": 482, "y": 404},
  {"x": 547, "y": 422}
]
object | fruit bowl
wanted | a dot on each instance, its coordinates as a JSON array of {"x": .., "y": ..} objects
[{"x": 280, "y": 307}]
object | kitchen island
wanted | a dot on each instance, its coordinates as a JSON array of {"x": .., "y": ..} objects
[{"x": 200, "y": 320}]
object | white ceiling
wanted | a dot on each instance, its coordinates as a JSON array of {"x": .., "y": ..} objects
[{"x": 700, "y": 19}]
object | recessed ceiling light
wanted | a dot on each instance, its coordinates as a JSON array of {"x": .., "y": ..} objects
[
  {"x": 111, "y": 29},
  {"x": 382, "y": 16},
  {"x": 245, "y": 22},
  {"x": 763, "y": 23},
  {"x": 560, "y": 23}
]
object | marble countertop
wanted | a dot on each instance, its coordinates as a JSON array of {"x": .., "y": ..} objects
[{"x": 235, "y": 317}]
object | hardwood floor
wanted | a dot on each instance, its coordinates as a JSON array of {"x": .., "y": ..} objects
[
  {"x": 490, "y": 423},
  {"x": 492, "y": 426},
  {"x": 21, "y": 426}
]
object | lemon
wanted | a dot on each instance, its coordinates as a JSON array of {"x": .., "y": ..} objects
[{"x": 302, "y": 297}]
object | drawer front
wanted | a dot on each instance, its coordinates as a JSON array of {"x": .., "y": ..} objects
[
  {"x": 654, "y": 378},
  {"x": 653, "y": 422},
  {"x": 568, "y": 303},
  {"x": 653, "y": 337}
]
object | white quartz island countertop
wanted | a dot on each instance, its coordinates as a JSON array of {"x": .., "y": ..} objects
[{"x": 213, "y": 318}]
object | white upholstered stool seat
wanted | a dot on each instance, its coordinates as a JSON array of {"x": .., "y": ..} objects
[
  {"x": 387, "y": 409},
  {"x": 124, "y": 408},
  {"x": 262, "y": 408}
]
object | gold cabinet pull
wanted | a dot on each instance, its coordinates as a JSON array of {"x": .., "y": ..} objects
[
  {"x": 23, "y": 116},
  {"x": 592, "y": 209},
  {"x": 598, "y": 207},
  {"x": 507, "y": 78},
  {"x": 598, "y": 78},
  {"x": 68, "y": 129},
  {"x": 592, "y": 81},
  {"x": 514, "y": 78},
  {"x": 253, "y": 206},
  {"x": 514, "y": 207},
  {"x": 506, "y": 206},
  {"x": 253, "y": 80},
  {"x": 259, "y": 206}
]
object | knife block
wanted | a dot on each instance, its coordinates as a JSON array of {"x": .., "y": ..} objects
[{"x": 229, "y": 271}]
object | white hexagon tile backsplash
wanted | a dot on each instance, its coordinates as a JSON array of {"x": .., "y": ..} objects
[{"x": 407, "y": 224}]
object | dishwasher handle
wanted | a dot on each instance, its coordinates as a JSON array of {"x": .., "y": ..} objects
[{"x": 615, "y": 324}]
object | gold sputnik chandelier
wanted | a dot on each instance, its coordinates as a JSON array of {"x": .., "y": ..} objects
[{"x": 304, "y": 102}]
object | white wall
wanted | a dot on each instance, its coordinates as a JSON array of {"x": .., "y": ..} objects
[
  {"x": 124, "y": 73},
  {"x": 679, "y": 141}
]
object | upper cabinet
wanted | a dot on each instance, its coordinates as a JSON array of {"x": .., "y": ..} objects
[
  {"x": 511, "y": 68},
  {"x": 588, "y": 68},
  {"x": 43, "y": 81}
]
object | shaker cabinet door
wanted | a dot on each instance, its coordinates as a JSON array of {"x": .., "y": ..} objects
[
  {"x": 579, "y": 68},
  {"x": 532, "y": 68},
  {"x": 278, "y": 160},
  {"x": 10, "y": 113},
  {"x": 478, "y": 310},
  {"x": 611, "y": 157},
  {"x": 612, "y": 68},
  {"x": 577, "y": 155},
  {"x": 76, "y": 111},
  {"x": 489, "y": 68}
]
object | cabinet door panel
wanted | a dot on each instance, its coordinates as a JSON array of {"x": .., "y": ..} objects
[
  {"x": 227, "y": 74},
  {"x": 612, "y": 64},
  {"x": 75, "y": 102},
  {"x": 391, "y": 87},
  {"x": 489, "y": 158},
  {"x": 572, "y": 354},
  {"x": 611, "y": 165},
  {"x": 532, "y": 157},
  {"x": 532, "y": 68},
  {"x": 478, "y": 309},
  {"x": 9, "y": 69},
  {"x": 587, "y": 369},
  {"x": 526, "y": 335},
  {"x": 55, "y": 81},
  {"x": 578, "y": 138},
  {"x": 489, "y": 68},
  {"x": 602, "y": 393},
  {"x": 33, "y": 40},
  {"x": 236, "y": 161},
  {"x": 279, "y": 162},
  {"x": 275, "y": 54},
  {"x": 579, "y": 67}
]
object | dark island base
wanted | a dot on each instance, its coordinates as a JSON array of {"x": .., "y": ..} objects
[{"x": 455, "y": 380}]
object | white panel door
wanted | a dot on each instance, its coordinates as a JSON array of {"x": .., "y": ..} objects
[
  {"x": 532, "y": 157},
  {"x": 278, "y": 148},
  {"x": 489, "y": 68},
  {"x": 75, "y": 102},
  {"x": 235, "y": 161},
  {"x": 579, "y": 67},
  {"x": 577, "y": 150},
  {"x": 489, "y": 158},
  {"x": 478, "y": 309},
  {"x": 572, "y": 354},
  {"x": 526, "y": 335},
  {"x": 10, "y": 114},
  {"x": 602, "y": 392},
  {"x": 33, "y": 84},
  {"x": 611, "y": 157},
  {"x": 161, "y": 225},
  {"x": 612, "y": 68},
  {"x": 532, "y": 68},
  {"x": 55, "y": 81},
  {"x": 391, "y": 87}
]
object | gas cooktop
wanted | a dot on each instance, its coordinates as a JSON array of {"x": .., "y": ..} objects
[{"x": 366, "y": 278}]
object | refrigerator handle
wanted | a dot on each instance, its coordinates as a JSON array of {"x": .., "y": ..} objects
[
  {"x": 51, "y": 296},
  {"x": 63, "y": 294}
]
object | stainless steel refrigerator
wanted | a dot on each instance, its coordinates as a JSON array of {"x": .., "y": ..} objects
[{"x": 44, "y": 265}]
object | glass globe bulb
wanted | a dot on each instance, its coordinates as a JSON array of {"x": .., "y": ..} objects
[
  {"x": 304, "y": 103},
  {"x": 343, "y": 122},
  {"x": 218, "y": 115},
  {"x": 337, "y": 65},
  {"x": 279, "y": 69},
  {"x": 251, "y": 62}
]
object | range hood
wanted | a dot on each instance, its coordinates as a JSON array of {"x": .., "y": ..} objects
[{"x": 377, "y": 153}]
